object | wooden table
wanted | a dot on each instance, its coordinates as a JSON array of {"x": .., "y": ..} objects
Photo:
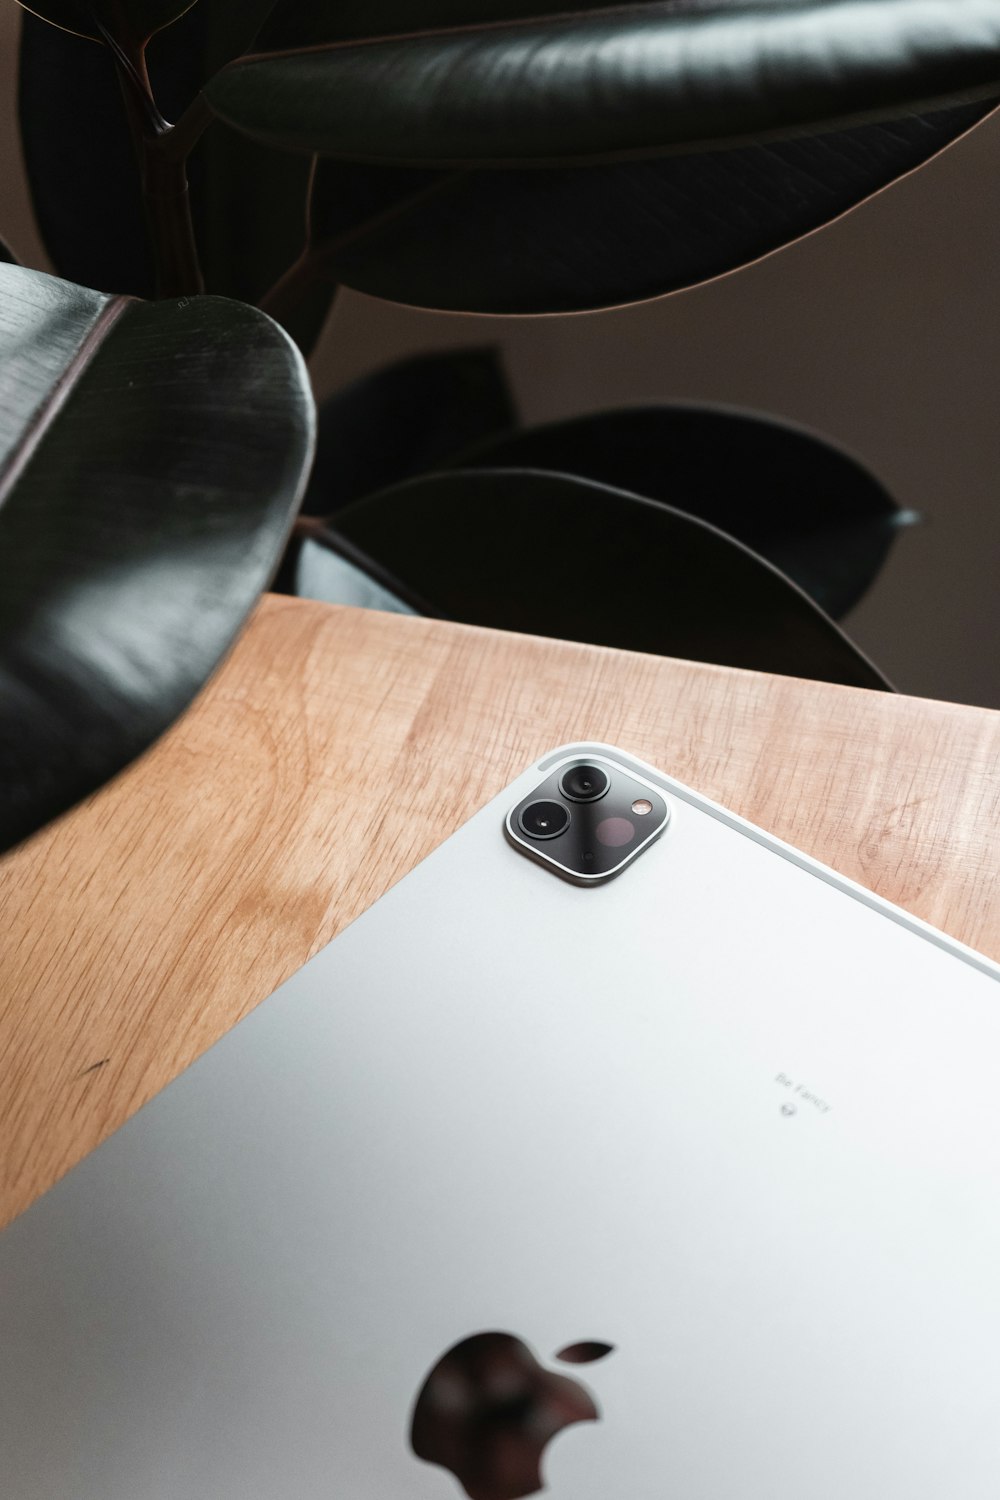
[{"x": 334, "y": 750}]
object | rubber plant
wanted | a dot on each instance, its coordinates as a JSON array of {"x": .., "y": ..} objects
[{"x": 206, "y": 175}]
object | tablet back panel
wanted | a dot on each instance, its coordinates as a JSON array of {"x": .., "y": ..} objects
[{"x": 727, "y": 1114}]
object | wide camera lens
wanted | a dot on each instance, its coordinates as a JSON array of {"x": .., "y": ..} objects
[
  {"x": 544, "y": 820},
  {"x": 584, "y": 783}
]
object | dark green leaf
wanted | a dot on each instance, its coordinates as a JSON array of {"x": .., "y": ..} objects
[
  {"x": 595, "y": 84},
  {"x": 558, "y": 238},
  {"x": 557, "y": 241},
  {"x": 151, "y": 460},
  {"x": 403, "y": 420},
  {"x": 128, "y": 21},
  {"x": 557, "y": 556},
  {"x": 811, "y": 510}
]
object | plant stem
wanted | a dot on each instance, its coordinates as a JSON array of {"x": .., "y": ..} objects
[
  {"x": 168, "y": 212},
  {"x": 181, "y": 139},
  {"x": 163, "y": 174}
]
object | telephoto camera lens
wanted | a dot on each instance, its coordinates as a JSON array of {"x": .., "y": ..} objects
[
  {"x": 584, "y": 783},
  {"x": 544, "y": 820}
]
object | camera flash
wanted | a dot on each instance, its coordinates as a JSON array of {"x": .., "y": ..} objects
[{"x": 642, "y": 807}]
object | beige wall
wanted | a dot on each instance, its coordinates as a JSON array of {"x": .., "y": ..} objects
[{"x": 882, "y": 332}]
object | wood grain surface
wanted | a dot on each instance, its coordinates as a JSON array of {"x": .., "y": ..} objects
[{"x": 338, "y": 747}]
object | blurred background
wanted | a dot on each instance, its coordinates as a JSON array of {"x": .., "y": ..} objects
[{"x": 881, "y": 332}]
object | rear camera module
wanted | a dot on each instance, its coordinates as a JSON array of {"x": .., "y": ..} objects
[
  {"x": 584, "y": 783},
  {"x": 544, "y": 820},
  {"x": 588, "y": 816}
]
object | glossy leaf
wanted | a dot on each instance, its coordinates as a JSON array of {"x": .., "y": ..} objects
[
  {"x": 552, "y": 555},
  {"x": 564, "y": 240},
  {"x": 808, "y": 508},
  {"x": 403, "y": 420},
  {"x": 600, "y": 83},
  {"x": 151, "y": 461},
  {"x": 128, "y": 21},
  {"x": 551, "y": 238}
]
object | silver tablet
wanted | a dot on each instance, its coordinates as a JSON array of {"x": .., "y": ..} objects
[{"x": 619, "y": 1149}]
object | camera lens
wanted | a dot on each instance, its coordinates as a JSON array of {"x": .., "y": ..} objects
[
  {"x": 584, "y": 783},
  {"x": 544, "y": 820}
]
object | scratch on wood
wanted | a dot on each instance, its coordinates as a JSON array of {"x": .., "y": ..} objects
[{"x": 93, "y": 1067}]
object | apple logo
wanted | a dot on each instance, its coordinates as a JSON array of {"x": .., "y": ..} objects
[{"x": 488, "y": 1409}]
